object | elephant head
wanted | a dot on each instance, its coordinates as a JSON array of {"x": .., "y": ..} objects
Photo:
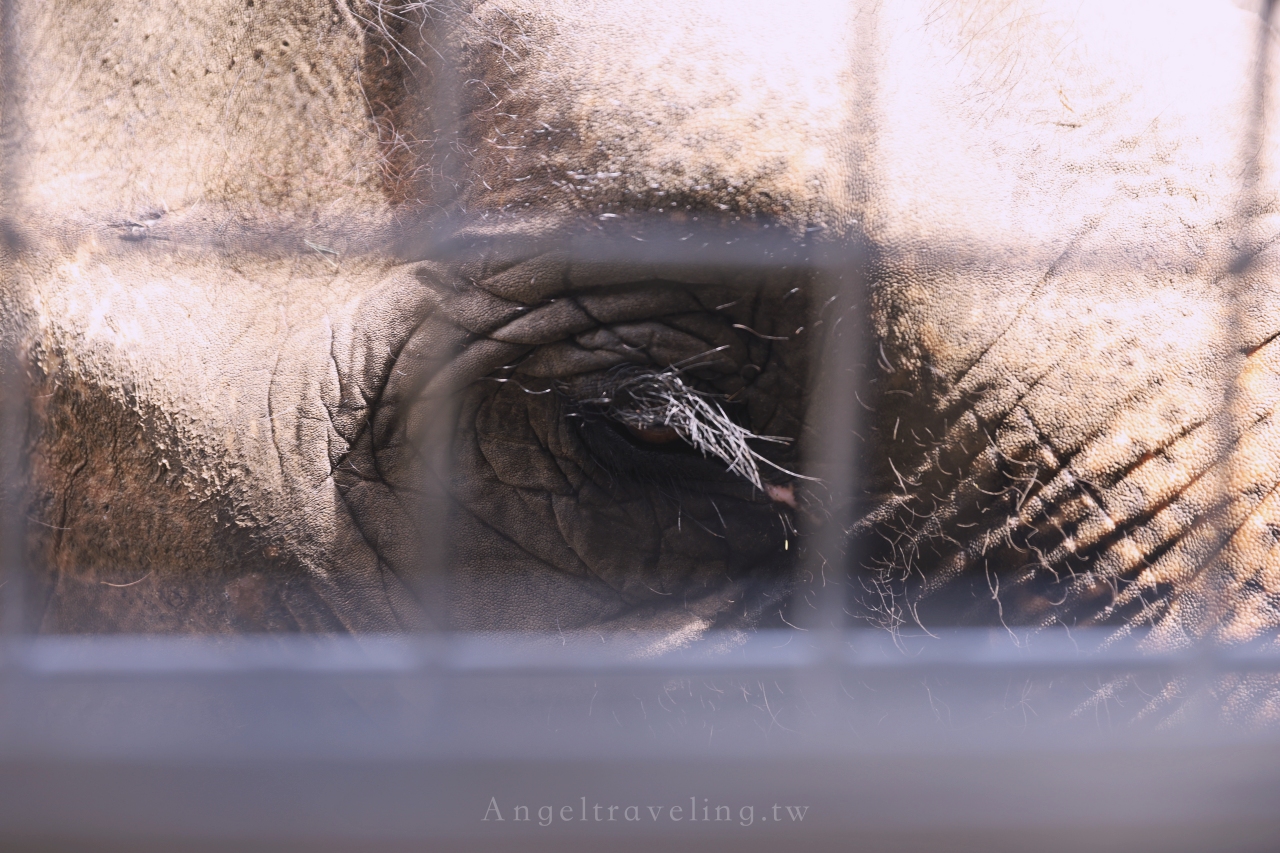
[{"x": 511, "y": 315}]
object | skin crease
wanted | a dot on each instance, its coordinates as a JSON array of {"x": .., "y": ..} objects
[{"x": 1069, "y": 210}]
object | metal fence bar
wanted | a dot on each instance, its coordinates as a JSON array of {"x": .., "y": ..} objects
[
  {"x": 835, "y": 419},
  {"x": 974, "y": 649},
  {"x": 13, "y": 387},
  {"x": 1251, "y": 243}
]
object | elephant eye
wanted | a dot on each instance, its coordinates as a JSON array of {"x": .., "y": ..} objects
[
  {"x": 656, "y": 434},
  {"x": 662, "y": 412}
]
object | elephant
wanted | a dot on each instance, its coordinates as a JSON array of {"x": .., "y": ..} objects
[{"x": 500, "y": 315}]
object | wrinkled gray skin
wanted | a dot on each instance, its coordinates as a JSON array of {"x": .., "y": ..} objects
[{"x": 257, "y": 382}]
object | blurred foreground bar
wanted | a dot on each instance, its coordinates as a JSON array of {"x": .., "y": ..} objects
[{"x": 975, "y": 743}]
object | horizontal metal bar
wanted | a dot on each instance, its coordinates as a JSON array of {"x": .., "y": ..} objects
[{"x": 860, "y": 649}]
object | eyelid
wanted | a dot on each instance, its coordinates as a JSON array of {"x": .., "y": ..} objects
[{"x": 656, "y": 434}]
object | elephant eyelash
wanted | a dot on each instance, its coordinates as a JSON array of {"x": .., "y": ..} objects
[{"x": 646, "y": 402}]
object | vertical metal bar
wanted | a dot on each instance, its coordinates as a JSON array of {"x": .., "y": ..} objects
[
  {"x": 837, "y": 414},
  {"x": 436, "y": 88},
  {"x": 13, "y": 424},
  {"x": 834, "y": 417},
  {"x": 840, "y": 384},
  {"x": 1205, "y": 673},
  {"x": 819, "y": 604},
  {"x": 444, "y": 97},
  {"x": 13, "y": 388}
]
